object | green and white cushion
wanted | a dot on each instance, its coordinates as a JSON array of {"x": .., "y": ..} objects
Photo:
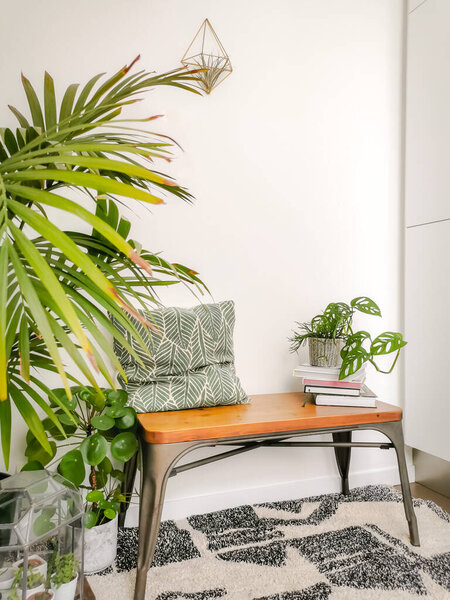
[{"x": 191, "y": 361}]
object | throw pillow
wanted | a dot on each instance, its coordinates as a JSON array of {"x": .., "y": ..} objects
[{"x": 191, "y": 361}]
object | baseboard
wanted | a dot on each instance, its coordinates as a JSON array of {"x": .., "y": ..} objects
[{"x": 179, "y": 508}]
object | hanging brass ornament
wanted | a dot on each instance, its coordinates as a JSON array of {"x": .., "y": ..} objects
[{"x": 206, "y": 52}]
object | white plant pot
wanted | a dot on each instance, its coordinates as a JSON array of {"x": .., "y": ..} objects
[
  {"x": 6, "y": 579},
  {"x": 41, "y": 569},
  {"x": 51, "y": 595},
  {"x": 100, "y": 546},
  {"x": 66, "y": 591},
  {"x": 36, "y": 590}
]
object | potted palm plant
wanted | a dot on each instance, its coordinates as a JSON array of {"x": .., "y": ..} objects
[{"x": 57, "y": 287}]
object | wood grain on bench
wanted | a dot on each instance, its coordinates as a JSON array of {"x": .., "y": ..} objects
[{"x": 267, "y": 413}]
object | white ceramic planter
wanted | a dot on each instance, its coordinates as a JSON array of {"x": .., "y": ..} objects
[
  {"x": 36, "y": 590},
  {"x": 50, "y": 594},
  {"x": 41, "y": 569},
  {"x": 66, "y": 591},
  {"x": 6, "y": 579},
  {"x": 100, "y": 547}
]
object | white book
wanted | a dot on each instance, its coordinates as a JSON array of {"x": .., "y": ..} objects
[
  {"x": 327, "y": 373},
  {"x": 329, "y": 400}
]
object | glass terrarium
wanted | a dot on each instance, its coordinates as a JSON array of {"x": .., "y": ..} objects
[{"x": 41, "y": 538}]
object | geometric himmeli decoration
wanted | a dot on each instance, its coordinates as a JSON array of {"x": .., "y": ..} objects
[{"x": 206, "y": 52}]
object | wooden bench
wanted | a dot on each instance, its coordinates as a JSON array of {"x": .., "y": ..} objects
[{"x": 269, "y": 420}]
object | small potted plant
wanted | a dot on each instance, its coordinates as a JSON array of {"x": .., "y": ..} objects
[
  {"x": 64, "y": 577},
  {"x": 35, "y": 584},
  {"x": 45, "y": 595},
  {"x": 104, "y": 427},
  {"x": 36, "y": 564},
  {"x": 332, "y": 341}
]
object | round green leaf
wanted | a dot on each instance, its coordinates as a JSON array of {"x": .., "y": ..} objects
[
  {"x": 127, "y": 420},
  {"x": 90, "y": 519},
  {"x": 91, "y": 396},
  {"x": 72, "y": 467},
  {"x": 62, "y": 396},
  {"x": 102, "y": 422},
  {"x": 124, "y": 446},
  {"x": 95, "y": 496},
  {"x": 94, "y": 449},
  {"x": 109, "y": 513},
  {"x": 42, "y": 525},
  {"x": 117, "y": 397},
  {"x": 105, "y": 466},
  {"x": 115, "y": 411}
]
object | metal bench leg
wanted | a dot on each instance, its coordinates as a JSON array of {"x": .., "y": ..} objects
[
  {"x": 394, "y": 432},
  {"x": 157, "y": 462},
  {"x": 343, "y": 457},
  {"x": 127, "y": 487}
]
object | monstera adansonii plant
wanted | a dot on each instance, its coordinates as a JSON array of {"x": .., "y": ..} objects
[{"x": 58, "y": 287}]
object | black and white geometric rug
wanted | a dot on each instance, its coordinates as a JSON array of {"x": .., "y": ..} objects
[{"x": 329, "y": 547}]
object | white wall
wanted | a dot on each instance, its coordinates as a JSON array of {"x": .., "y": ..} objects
[{"x": 295, "y": 164}]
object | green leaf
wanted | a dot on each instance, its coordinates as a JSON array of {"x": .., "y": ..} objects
[
  {"x": 42, "y": 525},
  {"x": 72, "y": 467},
  {"x": 61, "y": 394},
  {"x": 22, "y": 120},
  {"x": 366, "y": 305},
  {"x": 90, "y": 519},
  {"x": 127, "y": 420},
  {"x": 5, "y": 428},
  {"x": 115, "y": 411},
  {"x": 353, "y": 341},
  {"x": 102, "y": 422},
  {"x": 353, "y": 362},
  {"x": 387, "y": 342},
  {"x": 124, "y": 446},
  {"x": 110, "y": 513},
  {"x": 30, "y": 417},
  {"x": 95, "y": 496},
  {"x": 35, "y": 452},
  {"x": 94, "y": 448},
  {"x": 67, "y": 101},
  {"x": 33, "y": 102},
  {"x": 49, "y": 101},
  {"x": 105, "y": 466},
  {"x": 32, "y": 465},
  {"x": 3, "y": 322},
  {"x": 117, "y": 397}
]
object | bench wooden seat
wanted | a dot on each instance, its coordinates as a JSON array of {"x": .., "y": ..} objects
[
  {"x": 270, "y": 419},
  {"x": 267, "y": 413}
]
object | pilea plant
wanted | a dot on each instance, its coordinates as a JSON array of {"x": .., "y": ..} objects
[
  {"x": 335, "y": 322},
  {"x": 65, "y": 569},
  {"x": 104, "y": 428}
]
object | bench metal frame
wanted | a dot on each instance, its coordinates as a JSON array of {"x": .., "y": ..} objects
[{"x": 159, "y": 463}]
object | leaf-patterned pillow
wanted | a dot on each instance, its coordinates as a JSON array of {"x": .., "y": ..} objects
[{"x": 191, "y": 362}]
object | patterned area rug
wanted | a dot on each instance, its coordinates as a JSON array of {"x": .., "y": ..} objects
[{"x": 328, "y": 547}]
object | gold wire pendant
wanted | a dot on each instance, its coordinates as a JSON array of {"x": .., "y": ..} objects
[{"x": 206, "y": 52}]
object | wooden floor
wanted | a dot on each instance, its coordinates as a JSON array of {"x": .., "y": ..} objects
[{"x": 420, "y": 491}]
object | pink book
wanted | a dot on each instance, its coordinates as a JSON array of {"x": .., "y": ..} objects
[{"x": 350, "y": 385}]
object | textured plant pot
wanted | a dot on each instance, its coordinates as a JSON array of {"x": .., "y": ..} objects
[
  {"x": 66, "y": 591},
  {"x": 100, "y": 547},
  {"x": 324, "y": 352},
  {"x": 40, "y": 568}
]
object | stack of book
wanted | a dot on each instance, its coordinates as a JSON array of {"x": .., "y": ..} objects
[{"x": 329, "y": 390}]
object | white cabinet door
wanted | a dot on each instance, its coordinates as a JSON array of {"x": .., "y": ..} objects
[
  {"x": 428, "y": 113},
  {"x": 427, "y": 355}
]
